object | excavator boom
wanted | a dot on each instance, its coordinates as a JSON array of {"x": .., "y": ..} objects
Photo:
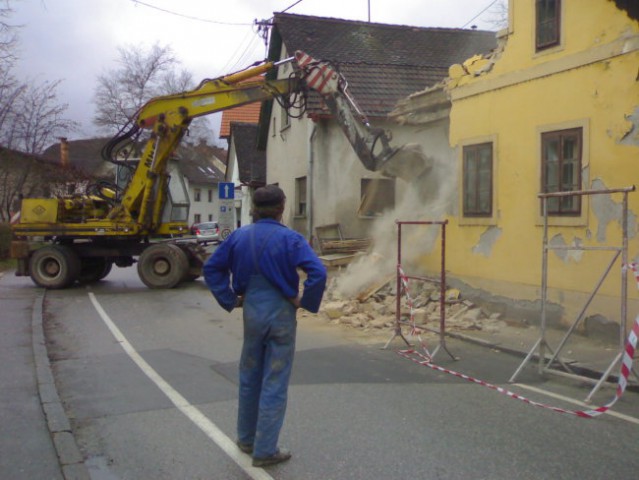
[{"x": 86, "y": 234}]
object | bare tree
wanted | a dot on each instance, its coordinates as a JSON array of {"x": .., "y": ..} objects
[
  {"x": 39, "y": 118},
  {"x": 139, "y": 77},
  {"x": 8, "y": 36},
  {"x": 142, "y": 74},
  {"x": 499, "y": 14},
  {"x": 30, "y": 114},
  {"x": 30, "y": 118}
]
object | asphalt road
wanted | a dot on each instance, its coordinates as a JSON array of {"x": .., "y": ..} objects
[{"x": 149, "y": 382}]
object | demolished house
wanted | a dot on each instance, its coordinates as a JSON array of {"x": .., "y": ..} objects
[{"x": 310, "y": 157}]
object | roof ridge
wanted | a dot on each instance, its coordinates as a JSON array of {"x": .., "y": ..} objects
[{"x": 378, "y": 24}]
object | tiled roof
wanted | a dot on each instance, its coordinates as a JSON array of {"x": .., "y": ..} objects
[
  {"x": 201, "y": 171},
  {"x": 202, "y": 163},
  {"x": 83, "y": 154},
  {"x": 251, "y": 161},
  {"x": 382, "y": 63},
  {"x": 249, "y": 113}
]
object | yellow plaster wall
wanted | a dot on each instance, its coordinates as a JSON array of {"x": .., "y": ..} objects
[
  {"x": 597, "y": 95},
  {"x": 596, "y": 23}
]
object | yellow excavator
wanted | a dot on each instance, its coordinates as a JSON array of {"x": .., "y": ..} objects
[{"x": 60, "y": 241}]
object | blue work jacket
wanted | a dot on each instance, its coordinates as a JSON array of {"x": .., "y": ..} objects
[{"x": 271, "y": 249}]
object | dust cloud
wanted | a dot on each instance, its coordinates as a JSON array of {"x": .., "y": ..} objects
[{"x": 427, "y": 197}]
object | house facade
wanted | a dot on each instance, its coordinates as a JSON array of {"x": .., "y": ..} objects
[
  {"x": 309, "y": 156},
  {"x": 203, "y": 171},
  {"x": 554, "y": 109},
  {"x": 246, "y": 164}
]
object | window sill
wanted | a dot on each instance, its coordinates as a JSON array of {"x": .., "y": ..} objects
[
  {"x": 477, "y": 221},
  {"x": 563, "y": 221}
]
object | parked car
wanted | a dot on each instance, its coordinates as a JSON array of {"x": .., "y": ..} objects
[{"x": 206, "y": 232}]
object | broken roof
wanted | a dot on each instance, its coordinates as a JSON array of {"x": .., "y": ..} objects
[
  {"x": 251, "y": 162},
  {"x": 382, "y": 63}
]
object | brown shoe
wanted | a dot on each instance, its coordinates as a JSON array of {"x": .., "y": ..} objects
[
  {"x": 245, "y": 447},
  {"x": 278, "y": 457}
]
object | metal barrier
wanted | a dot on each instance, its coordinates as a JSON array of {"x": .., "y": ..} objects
[
  {"x": 541, "y": 345},
  {"x": 402, "y": 283}
]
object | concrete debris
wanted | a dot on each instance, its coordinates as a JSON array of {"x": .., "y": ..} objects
[{"x": 378, "y": 310}]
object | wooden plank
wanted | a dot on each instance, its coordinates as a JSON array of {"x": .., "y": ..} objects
[{"x": 375, "y": 287}]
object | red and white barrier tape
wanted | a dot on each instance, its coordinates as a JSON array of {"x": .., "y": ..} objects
[
  {"x": 414, "y": 331},
  {"x": 626, "y": 366},
  {"x": 635, "y": 270}
]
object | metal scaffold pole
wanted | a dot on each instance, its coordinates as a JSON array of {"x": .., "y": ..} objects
[{"x": 618, "y": 251}]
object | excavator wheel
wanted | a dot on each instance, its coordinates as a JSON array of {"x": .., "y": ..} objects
[
  {"x": 162, "y": 265},
  {"x": 94, "y": 269},
  {"x": 54, "y": 267}
]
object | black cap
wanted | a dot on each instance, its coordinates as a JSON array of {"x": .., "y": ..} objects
[{"x": 268, "y": 196}]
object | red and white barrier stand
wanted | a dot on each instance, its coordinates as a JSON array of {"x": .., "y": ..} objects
[{"x": 402, "y": 288}]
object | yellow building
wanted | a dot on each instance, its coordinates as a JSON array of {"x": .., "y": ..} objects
[{"x": 554, "y": 109}]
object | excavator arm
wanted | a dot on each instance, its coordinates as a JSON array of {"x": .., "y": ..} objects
[{"x": 169, "y": 117}]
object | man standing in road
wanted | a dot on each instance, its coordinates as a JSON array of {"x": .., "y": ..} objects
[{"x": 256, "y": 267}]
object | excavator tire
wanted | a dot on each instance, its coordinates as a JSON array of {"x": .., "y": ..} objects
[
  {"x": 54, "y": 267},
  {"x": 162, "y": 265},
  {"x": 94, "y": 269}
]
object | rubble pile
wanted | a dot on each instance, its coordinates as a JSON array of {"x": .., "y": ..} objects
[{"x": 376, "y": 308}]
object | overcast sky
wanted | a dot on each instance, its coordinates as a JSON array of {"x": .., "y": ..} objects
[{"x": 76, "y": 40}]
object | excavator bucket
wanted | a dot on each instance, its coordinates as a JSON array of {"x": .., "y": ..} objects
[{"x": 406, "y": 162}]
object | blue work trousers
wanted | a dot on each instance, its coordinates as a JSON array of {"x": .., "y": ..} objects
[{"x": 265, "y": 366}]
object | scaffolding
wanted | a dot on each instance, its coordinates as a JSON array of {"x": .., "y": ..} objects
[
  {"x": 397, "y": 332},
  {"x": 541, "y": 345}
]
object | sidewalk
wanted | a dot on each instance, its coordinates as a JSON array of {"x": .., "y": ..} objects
[
  {"x": 585, "y": 356},
  {"x": 35, "y": 435}
]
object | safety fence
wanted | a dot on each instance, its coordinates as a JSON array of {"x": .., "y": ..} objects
[{"x": 402, "y": 289}]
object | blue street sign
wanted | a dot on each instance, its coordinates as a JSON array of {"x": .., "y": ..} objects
[{"x": 226, "y": 191}]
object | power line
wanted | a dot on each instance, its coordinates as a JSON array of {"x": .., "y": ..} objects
[
  {"x": 288, "y": 8},
  {"x": 189, "y": 17},
  {"x": 480, "y": 13}
]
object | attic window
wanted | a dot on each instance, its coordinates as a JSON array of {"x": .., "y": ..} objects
[{"x": 547, "y": 24}]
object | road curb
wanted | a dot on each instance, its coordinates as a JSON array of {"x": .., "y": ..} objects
[{"x": 69, "y": 456}]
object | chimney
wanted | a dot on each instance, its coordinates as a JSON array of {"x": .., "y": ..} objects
[{"x": 64, "y": 152}]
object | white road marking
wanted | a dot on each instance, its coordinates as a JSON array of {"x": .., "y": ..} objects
[
  {"x": 621, "y": 416},
  {"x": 196, "y": 416}
]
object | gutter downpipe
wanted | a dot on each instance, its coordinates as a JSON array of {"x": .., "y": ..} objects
[{"x": 309, "y": 190}]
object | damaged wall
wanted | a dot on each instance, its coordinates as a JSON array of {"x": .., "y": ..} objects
[
  {"x": 629, "y": 6},
  {"x": 590, "y": 82}
]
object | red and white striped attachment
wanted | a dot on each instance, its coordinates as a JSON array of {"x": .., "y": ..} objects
[{"x": 317, "y": 75}]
